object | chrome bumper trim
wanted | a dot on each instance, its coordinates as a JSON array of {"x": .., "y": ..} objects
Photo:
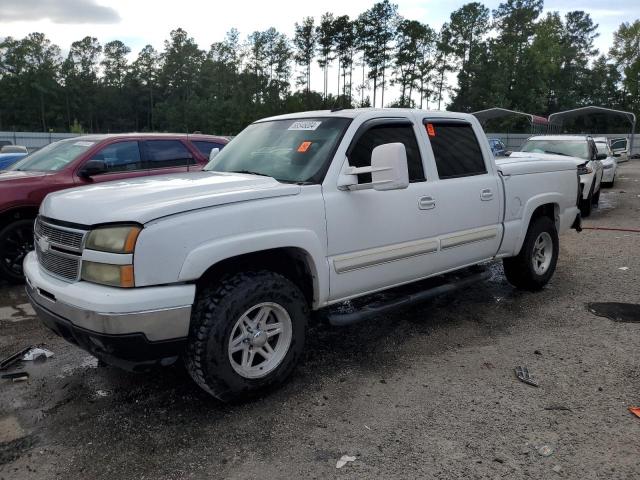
[{"x": 156, "y": 325}]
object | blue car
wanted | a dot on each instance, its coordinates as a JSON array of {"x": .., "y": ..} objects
[
  {"x": 8, "y": 159},
  {"x": 497, "y": 147}
]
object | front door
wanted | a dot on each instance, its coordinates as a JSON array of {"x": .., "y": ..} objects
[
  {"x": 377, "y": 239},
  {"x": 122, "y": 159}
]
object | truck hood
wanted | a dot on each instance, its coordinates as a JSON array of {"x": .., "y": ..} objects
[{"x": 144, "y": 199}]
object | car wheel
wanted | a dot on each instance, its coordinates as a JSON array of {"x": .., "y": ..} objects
[
  {"x": 247, "y": 334},
  {"x": 16, "y": 240},
  {"x": 533, "y": 267}
]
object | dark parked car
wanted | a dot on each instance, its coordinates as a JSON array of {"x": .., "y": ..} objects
[
  {"x": 85, "y": 161},
  {"x": 497, "y": 147}
]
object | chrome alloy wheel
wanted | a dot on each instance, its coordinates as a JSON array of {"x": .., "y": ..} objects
[
  {"x": 260, "y": 340},
  {"x": 542, "y": 253}
]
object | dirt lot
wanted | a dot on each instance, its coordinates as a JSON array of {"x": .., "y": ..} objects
[{"x": 424, "y": 393}]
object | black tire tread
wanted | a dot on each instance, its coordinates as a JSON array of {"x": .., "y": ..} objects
[
  {"x": 518, "y": 269},
  {"x": 204, "y": 322},
  {"x": 9, "y": 276}
]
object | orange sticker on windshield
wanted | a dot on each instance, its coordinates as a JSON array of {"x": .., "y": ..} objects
[
  {"x": 304, "y": 146},
  {"x": 430, "y": 130}
]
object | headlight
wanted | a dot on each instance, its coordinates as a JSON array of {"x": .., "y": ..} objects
[
  {"x": 108, "y": 274},
  {"x": 118, "y": 239},
  {"x": 584, "y": 170}
]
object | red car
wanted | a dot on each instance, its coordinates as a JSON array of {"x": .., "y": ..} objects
[{"x": 84, "y": 161}]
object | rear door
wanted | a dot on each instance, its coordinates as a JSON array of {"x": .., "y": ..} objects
[
  {"x": 168, "y": 156},
  {"x": 466, "y": 191}
]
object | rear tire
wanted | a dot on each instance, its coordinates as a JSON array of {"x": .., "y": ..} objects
[
  {"x": 534, "y": 266},
  {"x": 16, "y": 240},
  {"x": 236, "y": 324}
]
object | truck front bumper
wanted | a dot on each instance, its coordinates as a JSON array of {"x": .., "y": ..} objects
[{"x": 129, "y": 328}]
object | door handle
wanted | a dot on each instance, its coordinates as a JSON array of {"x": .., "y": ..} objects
[
  {"x": 426, "y": 203},
  {"x": 486, "y": 194}
]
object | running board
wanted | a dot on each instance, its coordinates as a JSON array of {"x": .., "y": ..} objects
[{"x": 401, "y": 298}]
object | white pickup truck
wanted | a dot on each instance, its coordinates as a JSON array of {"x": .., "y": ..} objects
[{"x": 299, "y": 212}]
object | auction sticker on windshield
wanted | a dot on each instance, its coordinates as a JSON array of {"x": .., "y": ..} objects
[
  {"x": 305, "y": 125},
  {"x": 83, "y": 144}
]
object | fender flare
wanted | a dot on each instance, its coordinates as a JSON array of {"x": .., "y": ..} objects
[
  {"x": 199, "y": 260},
  {"x": 554, "y": 198}
]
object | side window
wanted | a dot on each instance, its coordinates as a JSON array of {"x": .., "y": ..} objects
[
  {"x": 619, "y": 144},
  {"x": 360, "y": 155},
  {"x": 120, "y": 157},
  {"x": 205, "y": 147},
  {"x": 167, "y": 153},
  {"x": 456, "y": 149}
]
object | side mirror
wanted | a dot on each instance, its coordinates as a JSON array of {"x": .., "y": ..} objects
[
  {"x": 507, "y": 153},
  {"x": 389, "y": 170},
  {"x": 601, "y": 156},
  {"x": 93, "y": 167},
  {"x": 213, "y": 153}
]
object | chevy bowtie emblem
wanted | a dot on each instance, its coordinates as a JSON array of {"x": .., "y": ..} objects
[{"x": 44, "y": 244}]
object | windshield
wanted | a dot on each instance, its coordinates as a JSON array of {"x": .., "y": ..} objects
[
  {"x": 572, "y": 148},
  {"x": 294, "y": 150},
  {"x": 53, "y": 157}
]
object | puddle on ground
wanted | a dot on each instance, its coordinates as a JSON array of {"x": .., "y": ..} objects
[
  {"x": 18, "y": 313},
  {"x": 618, "y": 312}
]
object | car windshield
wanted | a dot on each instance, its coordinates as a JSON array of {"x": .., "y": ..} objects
[
  {"x": 293, "y": 150},
  {"x": 53, "y": 157},
  {"x": 572, "y": 148}
]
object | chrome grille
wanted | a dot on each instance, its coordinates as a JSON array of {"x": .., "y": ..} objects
[
  {"x": 63, "y": 237},
  {"x": 59, "y": 249}
]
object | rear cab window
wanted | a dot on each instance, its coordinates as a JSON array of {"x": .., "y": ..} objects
[
  {"x": 167, "y": 153},
  {"x": 456, "y": 149}
]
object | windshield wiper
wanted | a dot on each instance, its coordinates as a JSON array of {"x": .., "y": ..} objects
[
  {"x": 250, "y": 173},
  {"x": 556, "y": 153}
]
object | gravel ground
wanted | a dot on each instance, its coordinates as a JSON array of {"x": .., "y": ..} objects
[{"x": 428, "y": 392}]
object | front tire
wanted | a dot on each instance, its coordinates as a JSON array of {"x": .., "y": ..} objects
[
  {"x": 533, "y": 267},
  {"x": 16, "y": 240},
  {"x": 247, "y": 334}
]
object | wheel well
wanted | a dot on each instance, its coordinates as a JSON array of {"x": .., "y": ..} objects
[
  {"x": 290, "y": 262},
  {"x": 549, "y": 210},
  {"x": 17, "y": 214}
]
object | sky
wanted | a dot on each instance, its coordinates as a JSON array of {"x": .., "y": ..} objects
[{"x": 141, "y": 22}]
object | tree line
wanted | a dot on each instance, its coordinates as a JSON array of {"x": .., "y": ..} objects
[{"x": 512, "y": 57}]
